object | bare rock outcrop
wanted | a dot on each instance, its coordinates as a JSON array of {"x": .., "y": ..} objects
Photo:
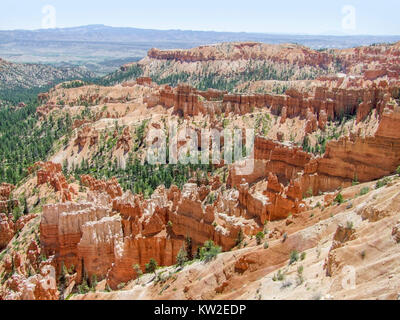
[
  {"x": 111, "y": 187},
  {"x": 285, "y": 53},
  {"x": 293, "y": 173},
  {"x": 327, "y": 102},
  {"x": 49, "y": 172},
  {"x": 343, "y": 234},
  {"x": 5, "y": 201},
  {"x": 42, "y": 286},
  {"x": 99, "y": 245},
  {"x": 5, "y": 191},
  {"x": 396, "y": 232},
  {"x": 276, "y": 202},
  {"x": 85, "y": 136},
  {"x": 125, "y": 140},
  {"x": 6, "y": 230},
  {"x": 61, "y": 230}
]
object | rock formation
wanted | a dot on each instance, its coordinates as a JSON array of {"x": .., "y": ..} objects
[
  {"x": 62, "y": 228},
  {"x": 5, "y": 201},
  {"x": 125, "y": 141},
  {"x": 327, "y": 103},
  {"x": 6, "y": 230},
  {"x": 49, "y": 172},
  {"x": 292, "y": 173},
  {"x": 5, "y": 191},
  {"x": 42, "y": 286},
  {"x": 292, "y": 54},
  {"x": 86, "y": 135},
  {"x": 111, "y": 187},
  {"x": 94, "y": 241}
]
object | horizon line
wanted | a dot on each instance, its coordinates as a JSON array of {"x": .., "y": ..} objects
[{"x": 327, "y": 34}]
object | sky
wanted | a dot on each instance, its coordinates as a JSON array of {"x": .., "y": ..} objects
[{"x": 370, "y": 17}]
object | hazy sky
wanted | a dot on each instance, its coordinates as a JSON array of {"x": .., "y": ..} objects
[{"x": 277, "y": 16}]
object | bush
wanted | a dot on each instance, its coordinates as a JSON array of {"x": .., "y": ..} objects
[
  {"x": 182, "y": 257},
  {"x": 364, "y": 191},
  {"x": 240, "y": 238},
  {"x": 294, "y": 256},
  {"x": 398, "y": 170},
  {"x": 339, "y": 199},
  {"x": 83, "y": 288},
  {"x": 209, "y": 251},
  {"x": 151, "y": 266},
  {"x": 280, "y": 276},
  {"x": 266, "y": 245},
  {"x": 260, "y": 237},
  {"x": 121, "y": 286},
  {"x": 382, "y": 183},
  {"x": 300, "y": 270},
  {"x": 300, "y": 278},
  {"x": 303, "y": 256},
  {"x": 138, "y": 270}
]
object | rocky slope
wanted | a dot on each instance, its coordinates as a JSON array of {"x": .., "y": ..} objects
[
  {"x": 27, "y": 76},
  {"x": 346, "y": 251},
  {"x": 235, "y": 66}
]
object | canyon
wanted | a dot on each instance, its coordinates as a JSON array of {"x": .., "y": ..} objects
[{"x": 326, "y": 154}]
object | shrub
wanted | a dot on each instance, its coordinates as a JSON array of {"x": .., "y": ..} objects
[
  {"x": 266, "y": 245},
  {"x": 121, "y": 285},
  {"x": 240, "y": 238},
  {"x": 83, "y": 288},
  {"x": 209, "y": 251},
  {"x": 182, "y": 257},
  {"x": 398, "y": 170},
  {"x": 303, "y": 256},
  {"x": 300, "y": 278},
  {"x": 300, "y": 270},
  {"x": 151, "y": 266},
  {"x": 382, "y": 183},
  {"x": 17, "y": 213},
  {"x": 364, "y": 191},
  {"x": 138, "y": 270},
  {"x": 260, "y": 237},
  {"x": 280, "y": 276},
  {"x": 339, "y": 199},
  {"x": 294, "y": 256}
]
